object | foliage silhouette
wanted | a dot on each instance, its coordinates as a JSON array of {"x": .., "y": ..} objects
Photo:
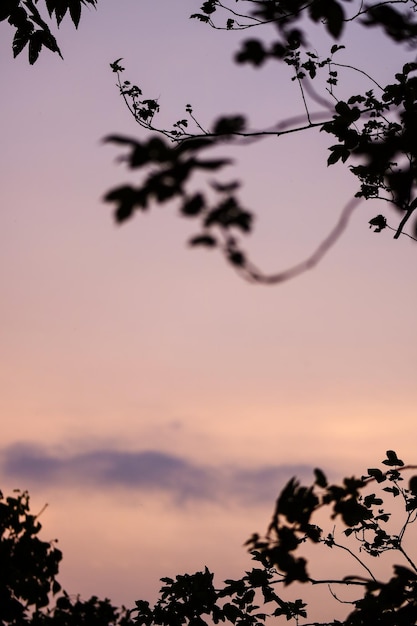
[
  {"x": 31, "y": 25},
  {"x": 195, "y": 601},
  {"x": 373, "y": 132},
  {"x": 28, "y": 576},
  {"x": 29, "y": 566}
]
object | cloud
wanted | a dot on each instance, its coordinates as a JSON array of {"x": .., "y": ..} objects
[{"x": 147, "y": 470}]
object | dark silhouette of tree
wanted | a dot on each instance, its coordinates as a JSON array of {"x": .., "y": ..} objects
[
  {"x": 357, "y": 504},
  {"x": 373, "y": 132},
  {"x": 29, "y": 566},
  {"x": 28, "y": 576}
]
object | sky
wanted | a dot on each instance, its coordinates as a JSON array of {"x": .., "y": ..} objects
[{"x": 155, "y": 400}]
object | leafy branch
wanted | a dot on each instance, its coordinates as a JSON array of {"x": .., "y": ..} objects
[
  {"x": 331, "y": 14},
  {"x": 32, "y": 30},
  {"x": 367, "y": 127},
  {"x": 194, "y": 599}
]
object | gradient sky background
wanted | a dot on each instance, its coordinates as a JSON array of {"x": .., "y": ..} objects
[{"x": 155, "y": 400}]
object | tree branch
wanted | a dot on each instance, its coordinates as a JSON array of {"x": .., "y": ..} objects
[{"x": 253, "y": 274}]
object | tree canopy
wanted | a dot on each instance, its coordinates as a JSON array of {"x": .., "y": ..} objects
[
  {"x": 28, "y": 576},
  {"x": 363, "y": 526}
]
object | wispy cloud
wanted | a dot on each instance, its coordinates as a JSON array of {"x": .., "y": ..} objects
[{"x": 150, "y": 470}]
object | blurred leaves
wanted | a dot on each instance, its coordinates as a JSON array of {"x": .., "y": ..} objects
[
  {"x": 167, "y": 173},
  {"x": 374, "y": 131}
]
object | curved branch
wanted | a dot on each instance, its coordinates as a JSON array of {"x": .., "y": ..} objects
[
  {"x": 257, "y": 21},
  {"x": 236, "y": 14},
  {"x": 252, "y": 273},
  {"x": 356, "y": 69}
]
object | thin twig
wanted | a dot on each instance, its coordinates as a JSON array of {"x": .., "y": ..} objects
[
  {"x": 356, "y": 69},
  {"x": 342, "y": 547}
]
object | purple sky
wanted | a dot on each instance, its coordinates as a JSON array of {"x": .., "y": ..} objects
[{"x": 155, "y": 400}]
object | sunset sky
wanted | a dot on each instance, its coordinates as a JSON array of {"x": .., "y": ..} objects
[{"x": 155, "y": 400}]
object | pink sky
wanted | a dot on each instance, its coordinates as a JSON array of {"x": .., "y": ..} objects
[{"x": 118, "y": 342}]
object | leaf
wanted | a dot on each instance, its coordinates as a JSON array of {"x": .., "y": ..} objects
[
  {"x": 151, "y": 104},
  {"x": 321, "y": 479},
  {"x": 253, "y": 52},
  {"x": 116, "y": 67},
  {"x": 335, "y": 18},
  {"x": 120, "y": 139},
  {"x": 377, "y": 474},
  {"x": 371, "y": 500},
  {"x": 50, "y": 5},
  {"x": 157, "y": 151},
  {"x": 20, "y": 40},
  {"x": 225, "y": 187},
  {"x": 194, "y": 205},
  {"x": 212, "y": 164},
  {"x": 352, "y": 511},
  {"x": 392, "y": 460},
  {"x": 209, "y": 6},
  {"x": 330, "y": 13},
  {"x": 56, "y": 587},
  {"x": 379, "y": 222},
  {"x": 127, "y": 199},
  {"x": 310, "y": 66},
  {"x": 198, "y": 16},
  {"x": 338, "y": 152},
  {"x": 75, "y": 11},
  {"x": 335, "y": 48},
  {"x": 313, "y": 532},
  {"x": 203, "y": 240},
  {"x": 35, "y": 45},
  {"x": 229, "y": 125},
  {"x": 60, "y": 9},
  {"x": 232, "y": 612},
  {"x": 412, "y": 485},
  {"x": 347, "y": 114},
  {"x": 229, "y": 214}
]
